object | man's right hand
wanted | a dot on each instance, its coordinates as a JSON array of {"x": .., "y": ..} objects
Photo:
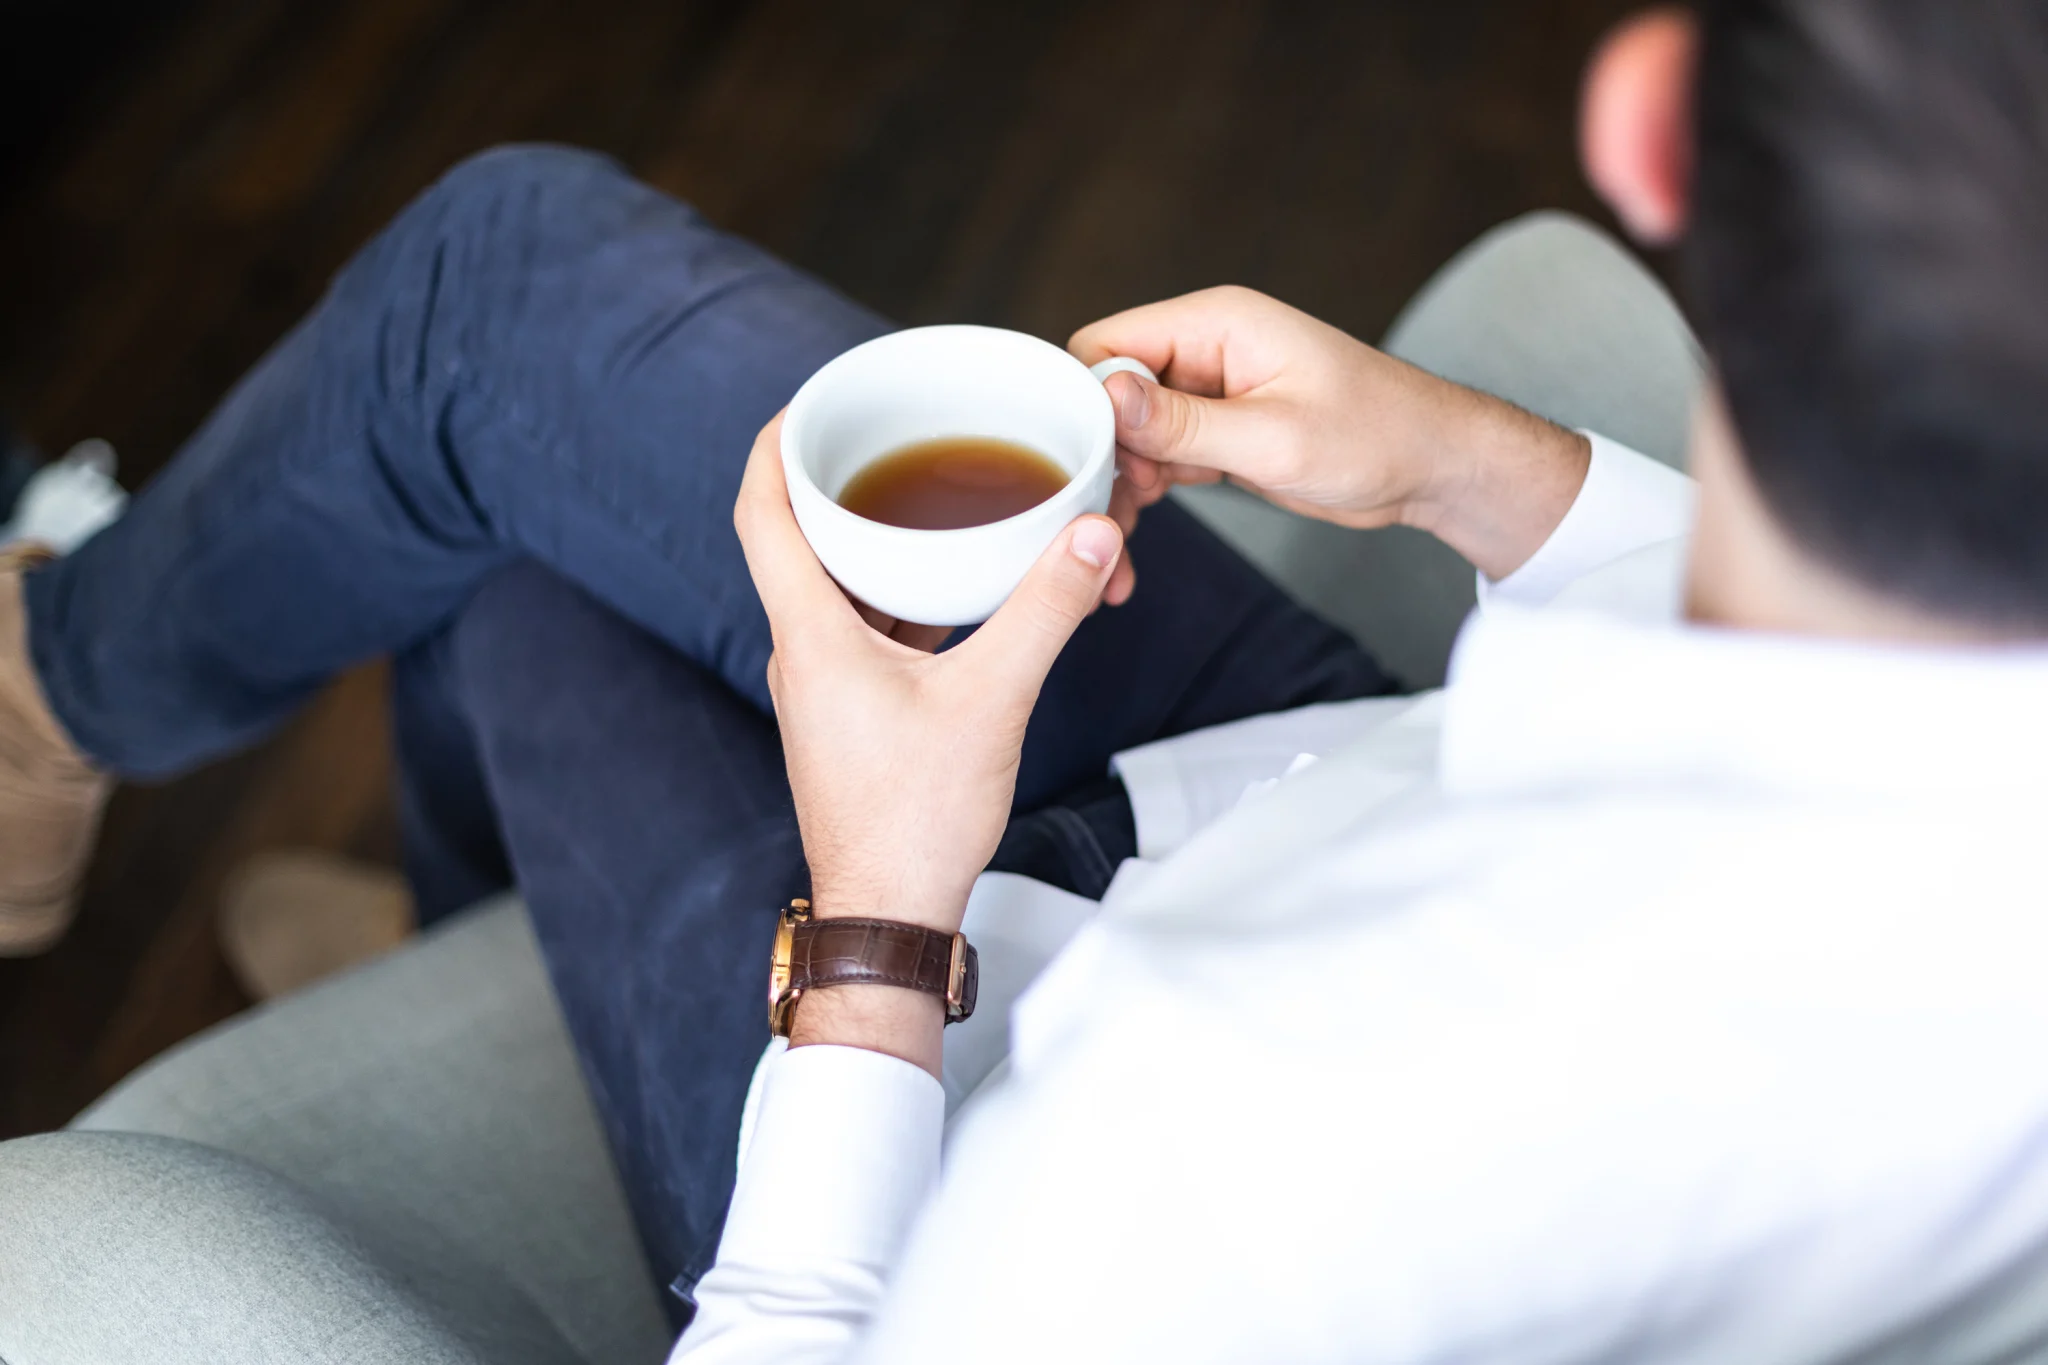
[{"x": 1321, "y": 423}]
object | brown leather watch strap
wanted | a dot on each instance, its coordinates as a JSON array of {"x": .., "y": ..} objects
[{"x": 849, "y": 952}]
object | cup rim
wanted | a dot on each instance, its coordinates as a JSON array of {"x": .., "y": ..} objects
[{"x": 794, "y": 426}]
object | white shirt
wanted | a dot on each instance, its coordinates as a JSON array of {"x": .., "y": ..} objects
[{"x": 1651, "y": 994}]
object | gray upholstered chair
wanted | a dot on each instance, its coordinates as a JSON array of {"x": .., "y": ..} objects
[{"x": 401, "y": 1164}]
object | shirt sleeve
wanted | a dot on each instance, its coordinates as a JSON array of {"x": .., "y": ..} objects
[
  {"x": 1180, "y": 785},
  {"x": 1629, "y": 503},
  {"x": 841, "y": 1154}
]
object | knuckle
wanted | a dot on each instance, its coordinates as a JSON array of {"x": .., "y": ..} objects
[
  {"x": 1183, "y": 423},
  {"x": 1288, "y": 454},
  {"x": 1240, "y": 297},
  {"x": 1054, "y": 609},
  {"x": 749, "y": 517}
]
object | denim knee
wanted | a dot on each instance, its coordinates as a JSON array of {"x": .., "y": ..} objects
[
  {"x": 519, "y": 171},
  {"x": 446, "y": 285},
  {"x": 501, "y": 206}
]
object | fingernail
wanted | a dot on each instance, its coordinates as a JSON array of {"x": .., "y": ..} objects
[
  {"x": 1133, "y": 404},
  {"x": 1095, "y": 543}
]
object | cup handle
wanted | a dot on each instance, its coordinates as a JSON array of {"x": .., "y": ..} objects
[{"x": 1121, "y": 364}]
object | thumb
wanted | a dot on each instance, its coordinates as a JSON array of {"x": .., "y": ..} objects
[
  {"x": 1015, "y": 648},
  {"x": 1171, "y": 427}
]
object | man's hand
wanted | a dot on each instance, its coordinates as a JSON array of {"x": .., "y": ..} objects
[
  {"x": 1320, "y": 423},
  {"x": 903, "y": 762}
]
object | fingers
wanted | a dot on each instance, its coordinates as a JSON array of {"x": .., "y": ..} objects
[
  {"x": 1123, "y": 581},
  {"x": 1015, "y": 648},
  {"x": 1149, "y": 481},
  {"x": 792, "y": 583},
  {"x": 1196, "y": 342},
  {"x": 1144, "y": 481},
  {"x": 1167, "y": 427},
  {"x": 1124, "y": 506},
  {"x": 1188, "y": 473},
  {"x": 1125, "y": 503}
]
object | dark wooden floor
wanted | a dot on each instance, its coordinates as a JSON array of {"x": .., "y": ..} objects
[{"x": 181, "y": 178}]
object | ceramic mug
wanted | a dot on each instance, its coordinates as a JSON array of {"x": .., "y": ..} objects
[{"x": 930, "y": 382}]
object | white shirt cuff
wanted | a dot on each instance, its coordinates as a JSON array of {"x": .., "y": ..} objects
[
  {"x": 842, "y": 1154},
  {"x": 1629, "y": 502}
]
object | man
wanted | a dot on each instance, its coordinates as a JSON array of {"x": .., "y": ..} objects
[{"x": 1661, "y": 990}]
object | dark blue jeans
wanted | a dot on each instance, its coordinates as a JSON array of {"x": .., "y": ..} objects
[{"x": 505, "y": 449}]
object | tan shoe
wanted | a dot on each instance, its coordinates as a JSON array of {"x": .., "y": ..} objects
[
  {"x": 289, "y": 918},
  {"x": 50, "y": 797}
]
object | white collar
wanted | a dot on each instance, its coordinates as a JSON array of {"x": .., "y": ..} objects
[{"x": 1549, "y": 697}]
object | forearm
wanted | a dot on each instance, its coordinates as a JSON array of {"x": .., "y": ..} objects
[{"x": 1502, "y": 479}]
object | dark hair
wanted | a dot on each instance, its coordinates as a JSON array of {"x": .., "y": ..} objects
[{"x": 1869, "y": 257}]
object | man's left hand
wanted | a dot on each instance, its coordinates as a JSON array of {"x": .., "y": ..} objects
[{"x": 903, "y": 762}]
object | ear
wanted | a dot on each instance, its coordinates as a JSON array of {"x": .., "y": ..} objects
[{"x": 1635, "y": 131}]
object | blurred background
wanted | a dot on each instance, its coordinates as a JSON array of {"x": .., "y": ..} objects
[{"x": 179, "y": 178}]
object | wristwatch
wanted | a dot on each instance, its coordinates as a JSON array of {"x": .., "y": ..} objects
[{"x": 812, "y": 954}]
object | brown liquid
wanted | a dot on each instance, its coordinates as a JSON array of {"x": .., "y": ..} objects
[{"x": 952, "y": 482}]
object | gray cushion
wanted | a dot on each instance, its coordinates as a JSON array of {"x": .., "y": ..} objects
[
  {"x": 432, "y": 1103},
  {"x": 122, "y": 1247}
]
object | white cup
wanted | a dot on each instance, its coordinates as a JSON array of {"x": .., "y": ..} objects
[{"x": 931, "y": 382}]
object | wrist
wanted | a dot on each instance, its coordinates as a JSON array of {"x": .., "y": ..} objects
[
  {"x": 893, "y": 1020},
  {"x": 883, "y": 985},
  {"x": 1501, "y": 483},
  {"x": 906, "y": 902}
]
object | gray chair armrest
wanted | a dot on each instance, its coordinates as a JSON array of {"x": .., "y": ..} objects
[
  {"x": 151, "y": 1251},
  {"x": 430, "y": 1104}
]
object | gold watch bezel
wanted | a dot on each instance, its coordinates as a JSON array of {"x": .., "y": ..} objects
[
  {"x": 781, "y": 998},
  {"x": 956, "y": 978}
]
